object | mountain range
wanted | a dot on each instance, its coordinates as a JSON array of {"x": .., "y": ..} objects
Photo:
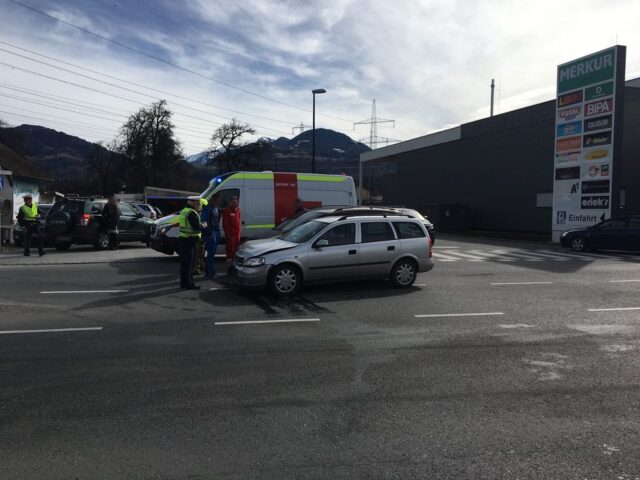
[{"x": 65, "y": 157}]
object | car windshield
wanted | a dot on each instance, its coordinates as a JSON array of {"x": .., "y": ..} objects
[
  {"x": 297, "y": 220},
  {"x": 304, "y": 233}
]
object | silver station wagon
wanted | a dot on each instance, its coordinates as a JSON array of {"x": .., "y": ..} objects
[{"x": 334, "y": 249}]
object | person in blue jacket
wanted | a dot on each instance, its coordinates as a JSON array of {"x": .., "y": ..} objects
[{"x": 211, "y": 217}]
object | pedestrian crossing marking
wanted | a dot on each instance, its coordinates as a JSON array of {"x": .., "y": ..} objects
[{"x": 520, "y": 255}]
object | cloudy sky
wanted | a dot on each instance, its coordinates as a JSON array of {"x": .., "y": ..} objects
[{"x": 428, "y": 63}]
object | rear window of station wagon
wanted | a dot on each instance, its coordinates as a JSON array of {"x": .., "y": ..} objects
[{"x": 408, "y": 230}]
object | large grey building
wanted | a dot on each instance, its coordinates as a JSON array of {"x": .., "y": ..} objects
[{"x": 493, "y": 174}]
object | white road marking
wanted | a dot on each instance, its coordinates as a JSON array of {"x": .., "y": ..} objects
[
  {"x": 443, "y": 258},
  {"x": 472, "y": 258},
  {"x": 581, "y": 256},
  {"x": 477, "y": 314},
  {"x": 491, "y": 255},
  {"x": 521, "y": 283},
  {"x": 290, "y": 320},
  {"x": 524, "y": 256},
  {"x": 618, "y": 309},
  {"x": 624, "y": 281},
  {"x": 419, "y": 284},
  {"x": 51, "y": 330},
  {"x": 56, "y": 292},
  {"x": 444, "y": 246},
  {"x": 552, "y": 256}
]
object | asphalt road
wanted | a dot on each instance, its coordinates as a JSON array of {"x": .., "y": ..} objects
[{"x": 508, "y": 360}]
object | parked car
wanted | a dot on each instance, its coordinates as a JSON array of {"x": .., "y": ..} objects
[
  {"x": 159, "y": 213},
  {"x": 146, "y": 209},
  {"x": 336, "y": 248},
  {"x": 18, "y": 230},
  {"x": 618, "y": 233},
  {"x": 350, "y": 211},
  {"x": 266, "y": 200},
  {"x": 77, "y": 220}
]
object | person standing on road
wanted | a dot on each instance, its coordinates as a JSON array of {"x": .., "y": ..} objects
[
  {"x": 232, "y": 225},
  {"x": 28, "y": 218},
  {"x": 190, "y": 232},
  {"x": 211, "y": 217},
  {"x": 110, "y": 219},
  {"x": 198, "y": 264}
]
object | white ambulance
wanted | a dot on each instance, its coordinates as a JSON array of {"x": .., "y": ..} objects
[{"x": 266, "y": 200}]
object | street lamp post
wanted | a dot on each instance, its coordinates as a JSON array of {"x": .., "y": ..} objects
[{"x": 313, "y": 130}]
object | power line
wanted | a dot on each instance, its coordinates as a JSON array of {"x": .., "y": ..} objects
[
  {"x": 78, "y": 104},
  {"x": 73, "y": 101},
  {"x": 98, "y": 91},
  {"x": 22, "y": 99},
  {"x": 154, "y": 57},
  {"x": 77, "y": 125},
  {"x": 167, "y": 62},
  {"x": 143, "y": 86},
  {"x": 125, "y": 88},
  {"x": 58, "y": 107}
]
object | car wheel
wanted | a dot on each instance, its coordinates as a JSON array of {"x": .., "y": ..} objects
[
  {"x": 578, "y": 244},
  {"x": 102, "y": 240},
  {"x": 404, "y": 273},
  {"x": 285, "y": 280},
  {"x": 63, "y": 246}
]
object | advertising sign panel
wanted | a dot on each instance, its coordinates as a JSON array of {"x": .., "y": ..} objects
[
  {"x": 570, "y": 128},
  {"x": 589, "y": 90},
  {"x": 598, "y": 123}
]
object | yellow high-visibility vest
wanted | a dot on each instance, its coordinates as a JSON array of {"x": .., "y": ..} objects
[
  {"x": 30, "y": 212},
  {"x": 186, "y": 230}
]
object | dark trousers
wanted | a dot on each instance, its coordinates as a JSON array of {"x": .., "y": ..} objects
[
  {"x": 211, "y": 244},
  {"x": 187, "y": 251},
  {"x": 28, "y": 233},
  {"x": 113, "y": 240}
]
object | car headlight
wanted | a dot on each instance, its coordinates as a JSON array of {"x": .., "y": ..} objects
[
  {"x": 163, "y": 229},
  {"x": 254, "y": 262},
  {"x": 564, "y": 234}
]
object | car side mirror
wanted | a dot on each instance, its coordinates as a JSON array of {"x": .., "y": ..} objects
[{"x": 321, "y": 243}]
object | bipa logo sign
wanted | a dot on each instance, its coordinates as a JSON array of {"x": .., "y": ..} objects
[{"x": 596, "y": 108}]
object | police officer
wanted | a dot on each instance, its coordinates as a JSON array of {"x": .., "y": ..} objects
[
  {"x": 28, "y": 218},
  {"x": 198, "y": 264},
  {"x": 190, "y": 229}
]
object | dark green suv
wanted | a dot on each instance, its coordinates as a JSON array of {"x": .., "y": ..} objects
[{"x": 78, "y": 220}]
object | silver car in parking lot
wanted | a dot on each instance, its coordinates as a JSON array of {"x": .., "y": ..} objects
[{"x": 334, "y": 249}]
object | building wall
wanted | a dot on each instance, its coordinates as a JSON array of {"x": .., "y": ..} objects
[
  {"x": 498, "y": 168},
  {"x": 630, "y": 165}
]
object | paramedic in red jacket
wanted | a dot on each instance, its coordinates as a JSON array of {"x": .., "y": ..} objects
[{"x": 231, "y": 223}]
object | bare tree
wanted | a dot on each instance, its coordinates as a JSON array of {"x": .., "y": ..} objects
[
  {"x": 148, "y": 140},
  {"x": 3, "y": 124},
  {"x": 103, "y": 161},
  {"x": 230, "y": 152}
]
